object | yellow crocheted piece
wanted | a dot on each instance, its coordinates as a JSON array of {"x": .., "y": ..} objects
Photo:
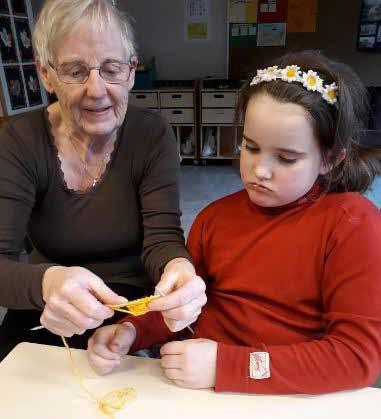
[
  {"x": 135, "y": 307},
  {"x": 113, "y": 401}
]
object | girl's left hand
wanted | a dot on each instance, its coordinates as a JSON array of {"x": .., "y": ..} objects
[{"x": 190, "y": 363}]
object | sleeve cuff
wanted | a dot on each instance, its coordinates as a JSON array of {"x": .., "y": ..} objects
[
  {"x": 150, "y": 330},
  {"x": 233, "y": 373}
]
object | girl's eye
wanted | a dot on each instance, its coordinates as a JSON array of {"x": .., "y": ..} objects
[
  {"x": 252, "y": 149},
  {"x": 287, "y": 160}
]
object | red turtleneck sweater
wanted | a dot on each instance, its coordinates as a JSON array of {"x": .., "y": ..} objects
[{"x": 301, "y": 282}]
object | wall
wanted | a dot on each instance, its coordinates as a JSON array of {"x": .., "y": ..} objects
[
  {"x": 159, "y": 27},
  {"x": 336, "y": 35},
  {"x": 160, "y": 32}
]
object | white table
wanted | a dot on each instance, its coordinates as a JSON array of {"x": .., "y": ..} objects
[{"x": 36, "y": 382}]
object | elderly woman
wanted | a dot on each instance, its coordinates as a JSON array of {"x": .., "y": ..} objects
[{"x": 93, "y": 183}]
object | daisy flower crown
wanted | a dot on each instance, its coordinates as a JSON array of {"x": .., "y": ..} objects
[{"x": 292, "y": 73}]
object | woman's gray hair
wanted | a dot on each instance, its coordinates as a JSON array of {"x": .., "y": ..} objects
[{"x": 58, "y": 18}]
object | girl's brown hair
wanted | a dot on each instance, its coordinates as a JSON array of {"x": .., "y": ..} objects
[{"x": 337, "y": 127}]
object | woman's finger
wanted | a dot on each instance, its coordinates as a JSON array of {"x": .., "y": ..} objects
[
  {"x": 184, "y": 291},
  {"x": 67, "y": 311}
]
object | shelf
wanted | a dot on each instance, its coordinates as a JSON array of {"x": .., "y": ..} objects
[{"x": 219, "y": 142}]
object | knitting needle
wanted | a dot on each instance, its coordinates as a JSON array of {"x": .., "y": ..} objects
[
  {"x": 37, "y": 328},
  {"x": 159, "y": 292},
  {"x": 162, "y": 295}
]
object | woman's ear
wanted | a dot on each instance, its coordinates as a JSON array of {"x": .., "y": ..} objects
[
  {"x": 327, "y": 167},
  {"x": 45, "y": 76}
]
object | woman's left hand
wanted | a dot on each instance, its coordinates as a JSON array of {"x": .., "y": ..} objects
[
  {"x": 190, "y": 363},
  {"x": 183, "y": 294}
]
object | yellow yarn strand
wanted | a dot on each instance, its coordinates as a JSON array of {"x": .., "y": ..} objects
[{"x": 113, "y": 401}]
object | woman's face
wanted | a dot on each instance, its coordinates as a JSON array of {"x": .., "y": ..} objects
[
  {"x": 280, "y": 159},
  {"x": 95, "y": 108}
]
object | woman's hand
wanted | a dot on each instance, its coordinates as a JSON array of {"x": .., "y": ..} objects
[
  {"x": 107, "y": 346},
  {"x": 183, "y": 294},
  {"x": 190, "y": 363},
  {"x": 75, "y": 300}
]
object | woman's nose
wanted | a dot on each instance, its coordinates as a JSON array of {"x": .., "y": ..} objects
[{"x": 95, "y": 85}]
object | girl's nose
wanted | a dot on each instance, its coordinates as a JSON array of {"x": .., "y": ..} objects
[{"x": 262, "y": 168}]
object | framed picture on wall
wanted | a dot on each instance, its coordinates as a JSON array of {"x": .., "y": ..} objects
[
  {"x": 19, "y": 8},
  {"x": 4, "y": 6},
  {"x": 20, "y": 87},
  {"x": 32, "y": 83},
  {"x": 7, "y": 41},
  {"x": 15, "y": 87},
  {"x": 24, "y": 39},
  {"x": 369, "y": 35}
]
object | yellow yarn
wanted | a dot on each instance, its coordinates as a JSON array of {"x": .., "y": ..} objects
[
  {"x": 135, "y": 307},
  {"x": 115, "y": 400},
  {"x": 111, "y": 402}
]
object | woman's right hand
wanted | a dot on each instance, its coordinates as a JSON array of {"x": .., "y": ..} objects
[
  {"x": 75, "y": 300},
  {"x": 107, "y": 346}
]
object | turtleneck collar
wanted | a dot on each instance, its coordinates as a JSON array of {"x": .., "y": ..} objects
[{"x": 312, "y": 195}]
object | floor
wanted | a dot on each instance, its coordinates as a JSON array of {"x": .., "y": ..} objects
[{"x": 200, "y": 185}]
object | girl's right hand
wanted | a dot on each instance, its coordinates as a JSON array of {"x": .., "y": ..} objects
[{"x": 108, "y": 345}]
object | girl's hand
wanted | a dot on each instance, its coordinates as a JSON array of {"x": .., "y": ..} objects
[
  {"x": 190, "y": 363},
  {"x": 108, "y": 345},
  {"x": 75, "y": 300},
  {"x": 183, "y": 295}
]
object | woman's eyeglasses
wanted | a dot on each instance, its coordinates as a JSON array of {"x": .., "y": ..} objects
[{"x": 78, "y": 73}]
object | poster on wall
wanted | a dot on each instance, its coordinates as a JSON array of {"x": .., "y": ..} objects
[
  {"x": 7, "y": 41},
  {"x": 15, "y": 87},
  {"x": 197, "y": 20},
  {"x": 32, "y": 84},
  {"x": 24, "y": 39},
  {"x": 272, "y": 11},
  {"x": 369, "y": 36},
  {"x": 271, "y": 34},
  {"x": 243, "y": 34},
  {"x": 301, "y": 15},
  {"x": 243, "y": 11}
]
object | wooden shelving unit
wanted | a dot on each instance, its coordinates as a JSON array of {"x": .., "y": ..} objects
[
  {"x": 219, "y": 134},
  {"x": 178, "y": 106}
]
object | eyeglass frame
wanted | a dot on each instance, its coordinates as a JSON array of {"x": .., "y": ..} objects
[{"x": 132, "y": 64}]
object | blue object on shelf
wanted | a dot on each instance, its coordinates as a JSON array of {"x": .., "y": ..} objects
[{"x": 145, "y": 75}]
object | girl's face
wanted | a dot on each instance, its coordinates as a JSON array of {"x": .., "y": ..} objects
[{"x": 280, "y": 157}]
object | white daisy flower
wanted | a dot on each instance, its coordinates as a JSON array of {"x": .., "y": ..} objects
[
  {"x": 290, "y": 73},
  {"x": 256, "y": 80},
  {"x": 330, "y": 93},
  {"x": 270, "y": 73},
  {"x": 311, "y": 81}
]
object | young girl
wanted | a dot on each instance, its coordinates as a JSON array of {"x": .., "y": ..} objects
[{"x": 292, "y": 262}]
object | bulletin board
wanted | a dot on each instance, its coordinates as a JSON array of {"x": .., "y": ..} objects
[
  {"x": 369, "y": 36},
  {"x": 271, "y": 28},
  {"x": 21, "y": 87}
]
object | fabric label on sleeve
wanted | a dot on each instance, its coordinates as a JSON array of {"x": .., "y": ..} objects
[{"x": 259, "y": 365}]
